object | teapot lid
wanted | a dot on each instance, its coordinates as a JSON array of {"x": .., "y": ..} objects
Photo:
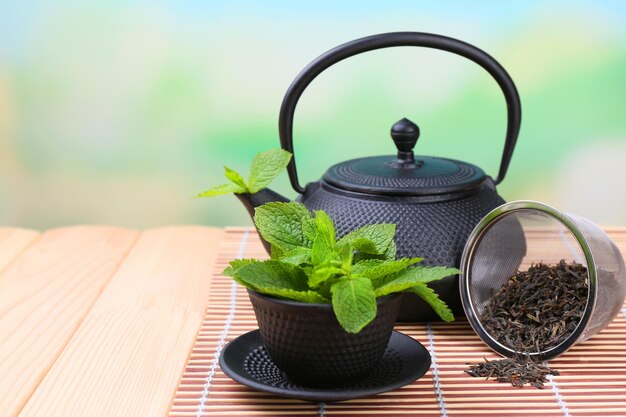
[{"x": 405, "y": 174}]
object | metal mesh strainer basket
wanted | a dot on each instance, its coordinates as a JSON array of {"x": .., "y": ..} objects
[{"x": 517, "y": 234}]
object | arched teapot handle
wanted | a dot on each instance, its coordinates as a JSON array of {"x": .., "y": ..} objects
[{"x": 386, "y": 40}]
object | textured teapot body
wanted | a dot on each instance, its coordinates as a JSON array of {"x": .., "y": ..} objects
[
  {"x": 431, "y": 227},
  {"x": 434, "y": 202}
]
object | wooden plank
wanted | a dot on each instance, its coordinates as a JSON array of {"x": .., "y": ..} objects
[
  {"x": 129, "y": 353},
  {"x": 44, "y": 295},
  {"x": 14, "y": 241}
]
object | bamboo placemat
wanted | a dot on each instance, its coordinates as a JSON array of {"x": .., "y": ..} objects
[{"x": 592, "y": 380}]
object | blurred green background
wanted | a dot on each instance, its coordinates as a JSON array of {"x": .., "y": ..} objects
[{"x": 117, "y": 112}]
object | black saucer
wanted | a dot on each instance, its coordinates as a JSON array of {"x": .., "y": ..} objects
[{"x": 246, "y": 361}]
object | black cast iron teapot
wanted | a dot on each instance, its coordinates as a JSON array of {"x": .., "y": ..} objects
[{"x": 435, "y": 202}]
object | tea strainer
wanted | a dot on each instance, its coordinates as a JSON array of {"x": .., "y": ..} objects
[{"x": 518, "y": 234}]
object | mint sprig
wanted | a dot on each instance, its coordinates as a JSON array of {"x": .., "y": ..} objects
[
  {"x": 285, "y": 225},
  {"x": 266, "y": 166},
  {"x": 354, "y": 303},
  {"x": 309, "y": 264}
]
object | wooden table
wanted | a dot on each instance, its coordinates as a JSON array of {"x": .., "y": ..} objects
[
  {"x": 103, "y": 321},
  {"x": 99, "y": 321}
]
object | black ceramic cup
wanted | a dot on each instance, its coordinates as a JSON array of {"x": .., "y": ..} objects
[{"x": 307, "y": 343}]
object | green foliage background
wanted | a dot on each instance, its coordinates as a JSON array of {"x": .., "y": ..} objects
[{"x": 118, "y": 112}]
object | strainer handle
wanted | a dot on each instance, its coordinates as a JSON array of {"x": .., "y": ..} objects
[{"x": 386, "y": 40}]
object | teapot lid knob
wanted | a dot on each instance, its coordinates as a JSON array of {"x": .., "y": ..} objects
[{"x": 404, "y": 134}]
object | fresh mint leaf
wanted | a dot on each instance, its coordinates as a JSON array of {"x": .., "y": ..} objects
[
  {"x": 363, "y": 265},
  {"x": 390, "y": 253},
  {"x": 309, "y": 228},
  {"x": 324, "y": 227},
  {"x": 276, "y": 252},
  {"x": 411, "y": 277},
  {"x": 346, "y": 254},
  {"x": 231, "y": 269},
  {"x": 373, "y": 239},
  {"x": 235, "y": 177},
  {"x": 324, "y": 245},
  {"x": 281, "y": 224},
  {"x": 265, "y": 167},
  {"x": 325, "y": 257},
  {"x": 354, "y": 303},
  {"x": 302, "y": 296},
  {"x": 264, "y": 275},
  {"x": 376, "y": 269},
  {"x": 235, "y": 264},
  {"x": 431, "y": 297},
  {"x": 324, "y": 289},
  {"x": 365, "y": 245},
  {"x": 275, "y": 278},
  {"x": 308, "y": 269},
  {"x": 322, "y": 273},
  {"x": 222, "y": 189},
  {"x": 297, "y": 256},
  {"x": 432, "y": 273}
]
